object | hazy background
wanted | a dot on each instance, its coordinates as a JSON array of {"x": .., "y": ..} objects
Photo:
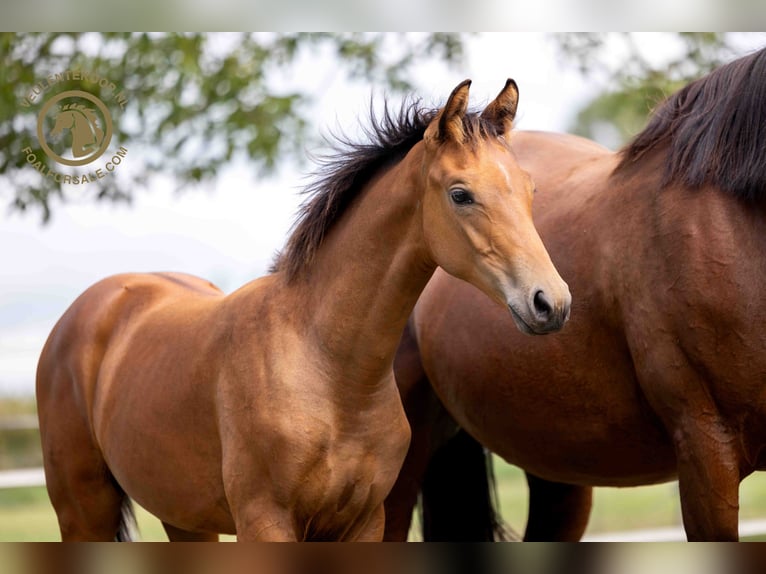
[
  {"x": 228, "y": 231},
  {"x": 487, "y": 15}
]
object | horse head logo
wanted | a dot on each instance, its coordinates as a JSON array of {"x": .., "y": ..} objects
[
  {"x": 82, "y": 122},
  {"x": 85, "y": 117}
]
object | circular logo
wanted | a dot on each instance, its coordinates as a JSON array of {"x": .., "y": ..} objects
[{"x": 74, "y": 128}]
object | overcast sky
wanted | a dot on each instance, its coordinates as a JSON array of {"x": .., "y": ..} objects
[{"x": 229, "y": 234}]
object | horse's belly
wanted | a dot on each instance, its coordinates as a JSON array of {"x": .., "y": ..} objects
[
  {"x": 617, "y": 457},
  {"x": 159, "y": 438},
  {"x": 566, "y": 408},
  {"x": 167, "y": 476},
  {"x": 573, "y": 431}
]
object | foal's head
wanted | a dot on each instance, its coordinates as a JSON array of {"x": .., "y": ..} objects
[{"x": 477, "y": 212}]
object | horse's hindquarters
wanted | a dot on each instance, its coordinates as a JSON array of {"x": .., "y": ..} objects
[{"x": 109, "y": 379}]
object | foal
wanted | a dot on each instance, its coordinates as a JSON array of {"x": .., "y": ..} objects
[{"x": 272, "y": 412}]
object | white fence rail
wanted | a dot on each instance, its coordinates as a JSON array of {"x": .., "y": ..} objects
[
  {"x": 18, "y": 422},
  {"x": 22, "y": 477}
]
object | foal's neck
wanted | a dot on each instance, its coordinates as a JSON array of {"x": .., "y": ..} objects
[{"x": 369, "y": 273}]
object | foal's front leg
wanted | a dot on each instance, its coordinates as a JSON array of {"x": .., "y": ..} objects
[
  {"x": 264, "y": 522},
  {"x": 257, "y": 513},
  {"x": 373, "y": 529},
  {"x": 257, "y": 524}
]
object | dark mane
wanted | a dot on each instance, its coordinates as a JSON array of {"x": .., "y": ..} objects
[
  {"x": 713, "y": 131},
  {"x": 343, "y": 174}
]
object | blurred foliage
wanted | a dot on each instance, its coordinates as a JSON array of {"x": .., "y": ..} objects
[
  {"x": 636, "y": 78},
  {"x": 200, "y": 101},
  {"x": 197, "y": 100}
]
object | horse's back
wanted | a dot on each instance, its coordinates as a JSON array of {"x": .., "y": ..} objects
[{"x": 556, "y": 152}]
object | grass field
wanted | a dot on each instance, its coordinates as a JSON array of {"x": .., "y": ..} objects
[
  {"x": 26, "y": 513},
  {"x": 621, "y": 509}
]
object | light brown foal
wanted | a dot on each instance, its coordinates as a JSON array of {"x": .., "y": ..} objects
[{"x": 272, "y": 412}]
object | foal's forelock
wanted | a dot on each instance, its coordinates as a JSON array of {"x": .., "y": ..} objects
[{"x": 344, "y": 173}]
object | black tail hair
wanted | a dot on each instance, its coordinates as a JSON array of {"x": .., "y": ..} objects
[
  {"x": 127, "y": 521},
  {"x": 458, "y": 499}
]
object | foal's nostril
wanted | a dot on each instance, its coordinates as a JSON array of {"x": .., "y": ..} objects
[{"x": 543, "y": 306}]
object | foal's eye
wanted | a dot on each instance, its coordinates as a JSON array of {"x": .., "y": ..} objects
[{"x": 460, "y": 197}]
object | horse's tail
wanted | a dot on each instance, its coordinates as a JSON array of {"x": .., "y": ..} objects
[
  {"x": 458, "y": 497},
  {"x": 128, "y": 523}
]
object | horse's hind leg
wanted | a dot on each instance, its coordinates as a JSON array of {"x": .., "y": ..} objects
[
  {"x": 179, "y": 535},
  {"x": 557, "y": 512},
  {"x": 87, "y": 500},
  {"x": 85, "y": 496}
]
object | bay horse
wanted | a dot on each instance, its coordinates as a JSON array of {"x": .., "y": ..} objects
[
  {"x": 272, "y": 412},
  {"x": 661, "y": 372}
]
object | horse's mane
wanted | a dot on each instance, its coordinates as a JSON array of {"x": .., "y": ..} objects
[
  {"x": 343, "y": 173},
  {"x": 713, "y": 131}
]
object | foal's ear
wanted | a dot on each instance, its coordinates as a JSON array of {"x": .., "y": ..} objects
[
  {"x": 502, "y": 110},
  {"x": 448, "y": 123}
]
